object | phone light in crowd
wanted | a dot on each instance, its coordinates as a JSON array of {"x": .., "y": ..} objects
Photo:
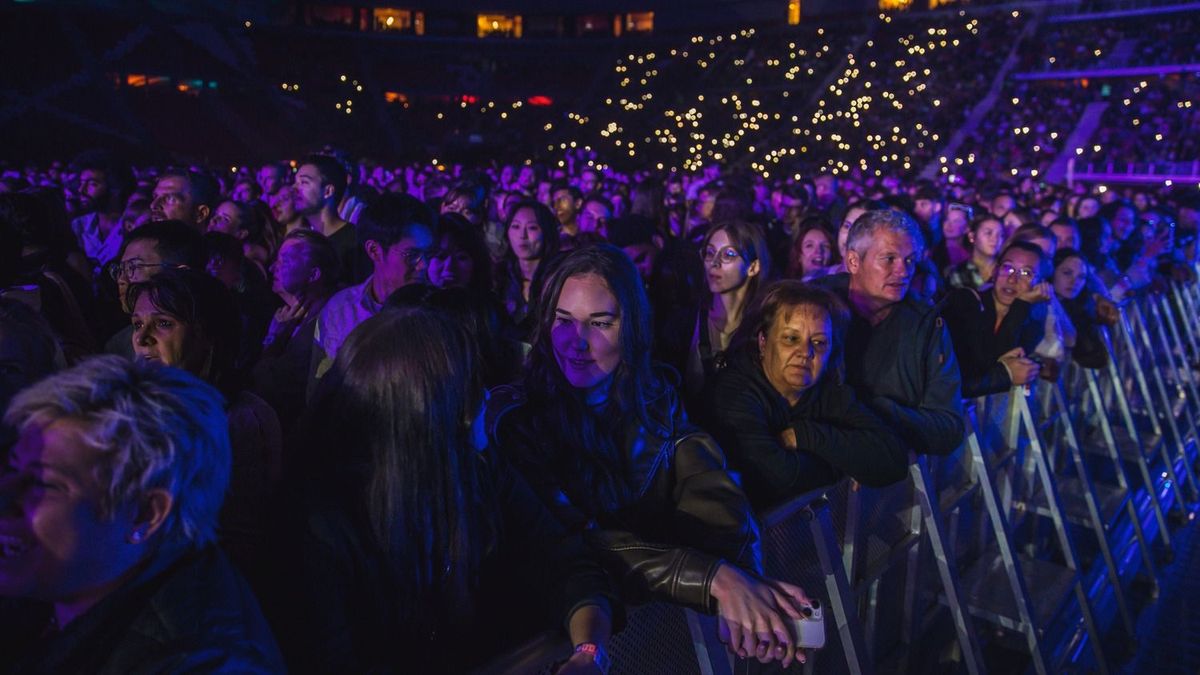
[
  {"x": 540, "y": 100},
  {"x": 1102, "y": 189}
]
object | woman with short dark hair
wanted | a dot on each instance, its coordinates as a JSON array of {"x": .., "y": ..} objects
[
  {"x": 186, "y": 319},
  {"x": 782, "y": 412}
]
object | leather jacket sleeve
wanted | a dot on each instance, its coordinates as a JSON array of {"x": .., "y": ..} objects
[{"x": 711, "y": 521}]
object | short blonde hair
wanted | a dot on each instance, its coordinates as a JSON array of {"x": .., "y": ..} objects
[{"x": 154, "y": 426}]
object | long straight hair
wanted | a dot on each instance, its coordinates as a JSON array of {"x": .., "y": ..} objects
[
  {"x": 403, "y": 393},
  {"x": 636, "y": 393}
]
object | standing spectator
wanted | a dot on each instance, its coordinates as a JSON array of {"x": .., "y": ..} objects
[
  {"x": 986, "y": 236},
  {"x": 104, "y": 188},
  {"x": 122, "y": 560},
  {"x": 783, "y": 414},
  {"x": 813, "y": 251},
  {"x": 185, "y": 195},
  {"x": 600, "y": 435},
  {"x": 186, "y": 319},
  {"x": 460, "y": 257},
  {"x": 148, "y": 250},
  {"x": 429, "y": 535},
  {"x": 532, "y": 237},
  {"x": 899, "y": 358},
  {"x": 303, "y": 277},
  {"x": 319, "y": 186},
  {"x": 397, "y": 234}
]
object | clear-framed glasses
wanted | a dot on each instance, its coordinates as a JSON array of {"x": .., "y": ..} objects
[
  {"x": 133, "y": 270},
  {"x": 725, "y": 256},
  {"x": 1022, "y": 273},
  {"x": 412, "y": 255}
]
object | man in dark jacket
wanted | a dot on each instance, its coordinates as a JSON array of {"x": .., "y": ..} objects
[{"x": 899, "y": 357}]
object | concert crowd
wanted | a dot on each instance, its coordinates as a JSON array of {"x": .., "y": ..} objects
[{"x": 338, "y": 415}]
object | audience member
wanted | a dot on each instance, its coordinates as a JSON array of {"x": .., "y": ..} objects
[
  {"x": 783, "y": 414},
  {"x": 122, "y": 561}
]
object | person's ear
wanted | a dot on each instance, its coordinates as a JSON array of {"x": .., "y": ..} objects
[
  {"x": 853, "y": 262},
  {"x": 658, "y": 241},
  {"x": 762, "y": 344},
  {"x": 242, "y": 235},
  {"x": 152, "y": 513},
  {"x": 753, "y": 269},
  {"x": 314, "y": 275},
  {"x": 202, "y": 213},
  {"x": 374, "y": 251}
]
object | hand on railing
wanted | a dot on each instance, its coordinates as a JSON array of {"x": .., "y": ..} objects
[
  {"x": 1021, "y": 370},
  {"x": 753, "y": 615},
  {"x": 1107, "y": 311}
]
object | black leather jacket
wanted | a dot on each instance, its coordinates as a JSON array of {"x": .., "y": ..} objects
[{"x": 685, "y": 514}]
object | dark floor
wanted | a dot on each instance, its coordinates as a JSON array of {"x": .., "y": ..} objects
[{"x": 1170, "y": 628}]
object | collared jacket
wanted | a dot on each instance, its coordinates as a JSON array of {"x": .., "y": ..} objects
[
  {"x": 904, "y": 368},
  {"x": 684, "y": 514},
  {"x": 836, "y": 435}
]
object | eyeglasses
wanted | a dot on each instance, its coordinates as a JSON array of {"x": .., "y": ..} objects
[
  {"x": 412, "y": 255},
  {"x": 723, "y": 257},
  {"x": 132, "y": 269},
  {"x": 1025, "y": 273},
  {"x": 967, "y": 211}
]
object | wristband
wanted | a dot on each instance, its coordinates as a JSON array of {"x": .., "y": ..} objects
[{"x": 598, "y": 654}]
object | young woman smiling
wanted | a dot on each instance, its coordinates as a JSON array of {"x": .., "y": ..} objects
[{"x": 600, "y": 435}]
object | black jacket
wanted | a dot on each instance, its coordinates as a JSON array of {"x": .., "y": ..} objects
[
  {"x": 905, "y": 370},
  {"x": 1090, "y": 349},
  {"x": 192, "y": 615},
  {"x": 836, "y": 436},
  {"x": 685, "y": 514},
  {"x": 971, "y": 317}
]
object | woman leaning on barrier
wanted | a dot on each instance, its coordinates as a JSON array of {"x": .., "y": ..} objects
[
  {"x": 601, "y": 436},
  {"x": 996, "y": 331},
  {"x": 787, "y": 420}
]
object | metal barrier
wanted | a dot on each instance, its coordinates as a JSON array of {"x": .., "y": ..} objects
[{"x": 969, "y": 531}]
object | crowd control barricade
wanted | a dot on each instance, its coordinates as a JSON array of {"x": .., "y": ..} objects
[
  {"x": 1096, "y": 506},
  {"x": 799, "y": 546},
  {"x": 1160, "y": 407},
  {"x": 1105, "y": 409}
]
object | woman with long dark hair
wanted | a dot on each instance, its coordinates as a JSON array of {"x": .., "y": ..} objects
[
  {"x": 736, "y": 264},
  {"x": 418, "y": 542},
  {"x": 531, "y": 238},
  {"x": 600, "y": 434},
  {"x": 460, "y": 256}
]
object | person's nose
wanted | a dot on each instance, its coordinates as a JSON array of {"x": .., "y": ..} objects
[{"x": 142, "y": 336}]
